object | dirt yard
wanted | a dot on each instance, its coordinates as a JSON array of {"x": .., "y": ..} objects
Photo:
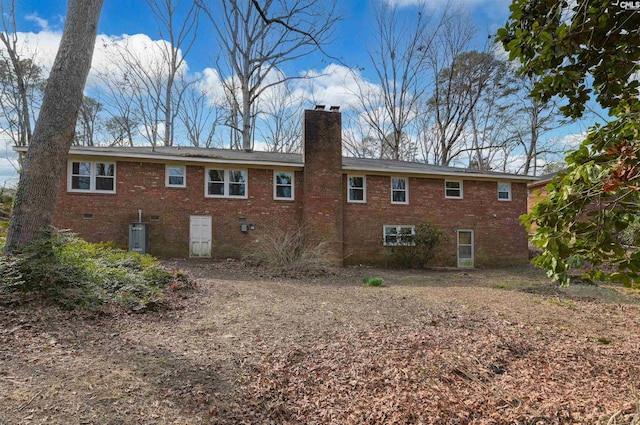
[{"x": 436, "y": 347}]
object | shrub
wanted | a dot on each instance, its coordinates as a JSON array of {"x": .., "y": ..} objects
[
  {"x": 418, "y": 249},
  {"x": 71, "y": 272},
  {"x": 285, "y": 251},
  {"x": 373, "y": 281}
]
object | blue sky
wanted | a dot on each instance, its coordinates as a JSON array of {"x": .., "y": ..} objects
[{"x": 42, "y": 21}]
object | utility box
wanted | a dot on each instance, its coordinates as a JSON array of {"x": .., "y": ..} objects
[{"x": 139, "y": 237}]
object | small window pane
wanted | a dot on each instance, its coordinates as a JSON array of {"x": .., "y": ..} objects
[
  {"x": 104, "y": 183},
  {"x": 464, "y": 238},
  {"x": 176, "y": 181},
  {"x": 82, "y": 183},
  {"x": 176, "y": 171},
  {"x": 216, "y": 175},
  {"x": 81, "y": 168},
  {"x": 356, "y": 182},
  {"x": 398, "y": 184},
  {"x": 236, "y": 176},
  {"x": 215, "y": 189},
  {"x": 399, "y": 196},
  {"x": 464, "y": 251},
  {"x": 283, "y": 192},
  {"x": 356, "y": 194},
  {"x": 283, "y": 178},
  {"x": 105, "y": 169},
  {"x": 236, "y": 189}
]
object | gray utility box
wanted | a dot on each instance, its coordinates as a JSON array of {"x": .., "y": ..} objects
[{"x": 139, "y": 237}]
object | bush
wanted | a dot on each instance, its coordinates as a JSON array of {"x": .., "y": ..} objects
[
  {"x": 286, "y": 252},
  {"x": 373, "y": 281},
  {"x": 418, "y": 249},
  {"x": 71, "y": 272}
]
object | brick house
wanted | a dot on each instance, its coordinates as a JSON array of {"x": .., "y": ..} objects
[{"x": 214, "y": 203}]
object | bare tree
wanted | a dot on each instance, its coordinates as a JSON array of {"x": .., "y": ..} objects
[
  {"x": 46, "y": 158},
  {"x": 399, "y": 60},
  {"x": 282, "y": 119},
  {"x": 180, "y": 32},
  {"x": 257, "y": 39},
  {"x": 21, "y": 81},
  {"x": 150, "y": 78},
  {"x": 535, "y": 118},
  {"x": 121, "y": 107},
  {"x": 199, "y": 113},
  {"x": 88, "y": 121},
  {"x": 457, "y": 90}
]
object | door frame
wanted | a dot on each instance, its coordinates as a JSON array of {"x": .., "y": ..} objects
[
  {"x": 209, "y": 219},
  {"x": 473, "y": 249}
]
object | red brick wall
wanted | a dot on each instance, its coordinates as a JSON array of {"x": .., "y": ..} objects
[
  {"x": 141, "y": 185},
  {"x": 499, "y": 237}
]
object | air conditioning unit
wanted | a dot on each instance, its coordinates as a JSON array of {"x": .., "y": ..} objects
[{"x": 139, "y": 237}]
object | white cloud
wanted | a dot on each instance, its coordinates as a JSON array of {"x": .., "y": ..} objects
[
  {"x": 571, "y": 141},
  {"x": 42, "y": 23},
  {"x": 8, "y": 164},
  {"x": 336, "y": 85}
]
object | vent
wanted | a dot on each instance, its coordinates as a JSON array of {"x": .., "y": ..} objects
[
  {"x": 334, "y": 109},
  {"x": 155, "y": 218},
  {"x": 320, "y": 107},
  {"x": 87, "y": 216}
]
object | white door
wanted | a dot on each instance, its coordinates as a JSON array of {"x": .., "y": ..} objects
[
  {"x": 200, "y": 236},
  {"x": 465, "y": 248}
]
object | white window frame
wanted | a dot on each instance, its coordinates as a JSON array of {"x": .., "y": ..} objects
[
  {"x": 398, "y": 231},
  {"x": 226, "y": 183},
  {"x": 363, "y": 188},
  {"x": 167, "y": 174},
  {"x": 93, "y": 175},
  {"x": 276, "y": 185},
  {"x": 508, "y": 198},
  {"x": 461, "y": 182},
  {"x": 405, "y": 190}
]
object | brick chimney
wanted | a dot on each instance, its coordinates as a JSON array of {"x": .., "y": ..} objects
[{"x": 322, "y": 200}]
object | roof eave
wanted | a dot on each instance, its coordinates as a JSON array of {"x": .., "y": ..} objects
[{"x": 457, "y": 174}]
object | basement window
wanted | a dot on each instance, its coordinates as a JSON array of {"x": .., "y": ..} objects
[
  {"x": 225, "y": 183},
  {"x": 85, "y": 176},
  {"x": 356, "y": 189},
  {"x": 399, "y": 235}
]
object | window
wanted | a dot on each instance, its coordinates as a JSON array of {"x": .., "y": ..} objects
[
  {"x": 399, "y": 235},
  {"x": 453, "y": 189},
  {"x": 225, "y": 183},
  {"x": 504, "y": 191},
  {"x": 357, "y": 186},
  {"x": 92, "y": 177},
  {"x": 283, "y": 185},
  {"x": 175, "y": 176},
  {"x": 399, "y": 190}
]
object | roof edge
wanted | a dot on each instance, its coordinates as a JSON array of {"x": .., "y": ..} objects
[{"x": 210, "y": 160}]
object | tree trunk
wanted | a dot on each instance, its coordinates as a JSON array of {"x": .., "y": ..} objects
[{"x": 46, "y": 158}]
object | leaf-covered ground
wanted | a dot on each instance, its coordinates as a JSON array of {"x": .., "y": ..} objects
[{"x": 482, "y": 347}]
